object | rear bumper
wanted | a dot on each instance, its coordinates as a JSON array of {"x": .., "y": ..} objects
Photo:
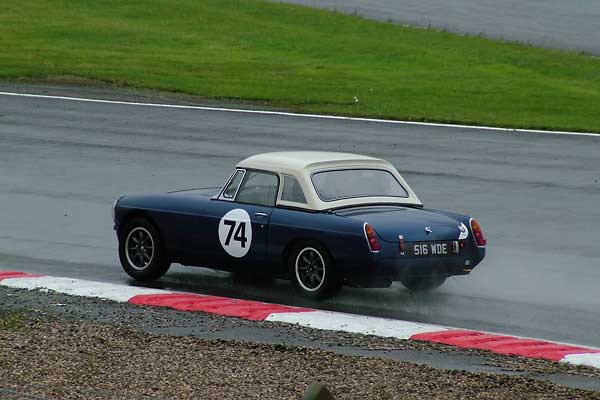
[
  {"x": 383, "y": 271},
  {"x": 447, "y": 266}
]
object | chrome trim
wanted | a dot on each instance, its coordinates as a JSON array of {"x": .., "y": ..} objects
[
  {"x": 401, "y": 244},
  {"x": 114, "y": 208},
  {"x": 221, "y": 195},
  {"x": 114, "y": 213}
]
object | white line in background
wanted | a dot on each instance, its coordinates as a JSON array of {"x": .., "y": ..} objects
[{"x": 299, "y": 115}]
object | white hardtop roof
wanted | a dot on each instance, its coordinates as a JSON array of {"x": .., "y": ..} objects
[
  {"x": 301, "y": 164},
  {"x": 304, "y": 161}
]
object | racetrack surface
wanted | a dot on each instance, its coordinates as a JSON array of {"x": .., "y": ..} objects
[
  {"x": 566, "y": 25},
  {"x": 64, "y": 162}
]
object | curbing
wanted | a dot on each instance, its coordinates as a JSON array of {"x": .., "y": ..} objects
[{"x": 311, "y": 318}]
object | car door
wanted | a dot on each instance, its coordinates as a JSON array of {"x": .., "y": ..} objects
[{"x": 244, "y": 223}]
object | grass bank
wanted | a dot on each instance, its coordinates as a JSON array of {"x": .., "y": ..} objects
[
  {"x": 300, "y": 58},
  {"x": 11, "y": 321}
]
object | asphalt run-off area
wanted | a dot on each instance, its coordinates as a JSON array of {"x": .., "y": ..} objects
[{"x": 534, "y": 193}]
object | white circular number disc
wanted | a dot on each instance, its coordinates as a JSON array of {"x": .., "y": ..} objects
[{"x": 235, "y": 232}]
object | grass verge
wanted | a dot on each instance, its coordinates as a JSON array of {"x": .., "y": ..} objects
[
  {"x": 12, "y": 321},
  {"x": 303, "y": 59}
]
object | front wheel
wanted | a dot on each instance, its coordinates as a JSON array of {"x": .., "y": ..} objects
[
  {"x": 422, "y": 283},
  {"x": 313, "y": 272},
  {"x": 141, "y": 251}
]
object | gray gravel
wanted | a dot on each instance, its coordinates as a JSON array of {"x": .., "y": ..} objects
[
  {"x": 71, "y": 347},
  {"x": 81, "y": 360}
]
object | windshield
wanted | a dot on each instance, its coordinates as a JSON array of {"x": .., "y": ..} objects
[{"x": 349, "y": 183}]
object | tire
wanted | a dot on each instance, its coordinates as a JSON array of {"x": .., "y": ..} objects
[
  {"x": 422, "y": 283},
  {"x": 141, "y": 251},
  {"x": 312, "y": 271}
]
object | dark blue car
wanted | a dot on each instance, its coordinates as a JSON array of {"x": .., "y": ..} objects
[{"x": 321, "y": 219}]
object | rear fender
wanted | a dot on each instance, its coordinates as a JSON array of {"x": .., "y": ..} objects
[{"x": 344, "y": 239}]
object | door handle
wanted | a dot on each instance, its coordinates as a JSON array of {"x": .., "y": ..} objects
[{"x": 261, "y": 215}]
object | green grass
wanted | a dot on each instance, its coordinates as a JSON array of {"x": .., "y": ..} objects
[
  {"x": 299, "y": 58},
  {"x": 11, "y": 321}
]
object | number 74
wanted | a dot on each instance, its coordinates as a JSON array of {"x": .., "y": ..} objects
[{"x": 240, "y": 232}]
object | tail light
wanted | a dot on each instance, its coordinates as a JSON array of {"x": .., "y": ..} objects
[
  {"x": 478, "y": 233},
  {"x": 371, "y": 238}
]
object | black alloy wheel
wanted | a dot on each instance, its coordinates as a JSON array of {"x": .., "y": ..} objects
[
  {"x": 312, "y": 270},
  {"x": 141, "y": 252}
]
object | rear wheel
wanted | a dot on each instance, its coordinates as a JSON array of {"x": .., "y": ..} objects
[
  {"x": 141, "y": 251},
  {"x": 312, "y": 271},
  {"x": 422, "y": 283}
]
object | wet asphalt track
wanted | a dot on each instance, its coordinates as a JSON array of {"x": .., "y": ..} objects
[
  {"x": 567, "y": 25},
  {"x": 62, "y": 163}
]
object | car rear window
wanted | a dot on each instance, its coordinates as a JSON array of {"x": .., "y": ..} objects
[{"x": 349, "y": 183}]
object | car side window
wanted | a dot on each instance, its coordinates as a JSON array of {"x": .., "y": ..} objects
[
  {"x": 229, "y": 193},
  {"x": 258, "y": 188},
  {"x": 292, "y": 190}
]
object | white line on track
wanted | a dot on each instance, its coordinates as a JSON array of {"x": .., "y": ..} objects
[{"x": 299, "y": 115}]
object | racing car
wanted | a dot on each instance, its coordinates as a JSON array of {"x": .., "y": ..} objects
[{"x": 320, "y": 219}]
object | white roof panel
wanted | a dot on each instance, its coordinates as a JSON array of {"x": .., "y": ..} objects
[{"x": 301, "y": 164}]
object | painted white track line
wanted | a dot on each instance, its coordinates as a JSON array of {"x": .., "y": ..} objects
[
  {"x": 316, "y": 319},
  {"x": 299, "y": 115}
]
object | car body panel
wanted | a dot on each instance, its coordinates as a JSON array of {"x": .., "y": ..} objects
[{"x": 392, "y": 221}]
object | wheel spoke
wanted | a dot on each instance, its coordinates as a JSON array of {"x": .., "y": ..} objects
[
  {"x": 302, "y": 268},
  {"x": 304, "y": 278},
  {"x": 319, "y": 276}
]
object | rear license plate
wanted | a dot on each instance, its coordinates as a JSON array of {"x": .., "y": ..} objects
[{"x": 435, "y": 249}]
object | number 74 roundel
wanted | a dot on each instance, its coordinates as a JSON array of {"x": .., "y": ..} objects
[{"x": 235, "y": 232}]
